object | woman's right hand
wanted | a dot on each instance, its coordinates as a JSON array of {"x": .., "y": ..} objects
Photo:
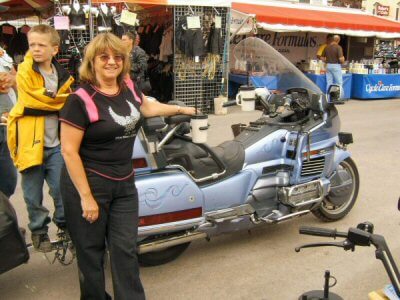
[{"x": 90, "y": 209}]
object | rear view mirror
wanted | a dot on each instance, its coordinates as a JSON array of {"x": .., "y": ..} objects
[{"x": 333, "y": 94}]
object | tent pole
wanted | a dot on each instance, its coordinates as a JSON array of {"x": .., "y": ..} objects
[{"x": 91, "y": 29}]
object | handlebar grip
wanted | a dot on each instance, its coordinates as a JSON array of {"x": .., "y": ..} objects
[
  {"x": 318, "y": 231},
  {"x": 229, "y": 103}
]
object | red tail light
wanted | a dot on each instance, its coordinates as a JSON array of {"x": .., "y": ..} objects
[
  {"x": 139, "y": 163},
  {"x": 171, "y": 217}
]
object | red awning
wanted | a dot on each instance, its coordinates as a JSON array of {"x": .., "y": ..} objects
[
  {"x": 16, "y": 9},
  {"x": 317, "y": 18}
]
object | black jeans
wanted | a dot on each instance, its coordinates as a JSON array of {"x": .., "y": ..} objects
[{"x": 117, "y": 226}]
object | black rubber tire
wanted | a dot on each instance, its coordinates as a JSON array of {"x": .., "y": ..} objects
[
  {"x": 161, "y": 257},
  {"x": 324, "y": 213}
]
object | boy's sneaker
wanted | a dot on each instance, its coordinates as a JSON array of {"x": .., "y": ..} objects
[{"x": 41, "y": 242}]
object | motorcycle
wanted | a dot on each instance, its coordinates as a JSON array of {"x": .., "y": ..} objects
[{"x": 291, "y": 161}]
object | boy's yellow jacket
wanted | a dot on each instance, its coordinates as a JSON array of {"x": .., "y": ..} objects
[{"x": 25, "y": 135}]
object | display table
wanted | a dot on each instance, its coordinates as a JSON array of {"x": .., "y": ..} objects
[
  {"x": 236, "y": 80},
  {"x": 320, "y": 80},
  {"x": 375, "y": 86}
]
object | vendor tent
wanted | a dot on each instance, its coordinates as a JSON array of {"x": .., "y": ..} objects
[
  {"x": 150, "y": 3},
  {"x": 16, "y": 9},
  {"x": 290, "y": 17}
]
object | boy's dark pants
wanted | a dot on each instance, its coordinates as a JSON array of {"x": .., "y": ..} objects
[{"x": 117, "y": 225}]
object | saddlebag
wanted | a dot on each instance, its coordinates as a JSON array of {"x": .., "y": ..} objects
[{"x": 13, "y": 250}]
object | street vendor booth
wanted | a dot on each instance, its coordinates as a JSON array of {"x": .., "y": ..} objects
[
  {"x": 185, "y": 42},
  {"x": 296, "y": 30}
]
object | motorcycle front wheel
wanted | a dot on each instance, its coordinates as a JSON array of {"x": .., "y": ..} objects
[
  {"x": 163, "y": 256},
  {"x": 345, "y": 184}
]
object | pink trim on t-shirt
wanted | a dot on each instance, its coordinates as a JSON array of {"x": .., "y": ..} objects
[
  {"x": 111, "y": 178},
  {"x": 89, "y": 104},
  {"x": 72, "y": 124},
  {"x": 131, "y": 86},
  {"x": 105, "y": 94}
]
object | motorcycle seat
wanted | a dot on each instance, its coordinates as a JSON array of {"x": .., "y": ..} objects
[{"x": 200, "y": 163}]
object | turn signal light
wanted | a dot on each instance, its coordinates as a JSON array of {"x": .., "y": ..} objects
[
  {"x": 139, "y": 163},
  {"x": 171, "y": 217}
]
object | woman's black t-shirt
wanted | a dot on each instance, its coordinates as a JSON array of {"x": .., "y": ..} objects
[{"x": 107, "y": 144}]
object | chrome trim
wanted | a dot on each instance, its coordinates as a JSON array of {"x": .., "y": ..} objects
[
  {"x": 286, "y": 194},
  {"x": 144, "y": 231},
  {"x": 314, "y": 166},
  {"x": 229, "y": 213},
  {"x": 256, "y": 220},
  {"x": 167, "y": 137},
  {"x": 211, "y": 177},
  {"x": 171, "y": 241}
]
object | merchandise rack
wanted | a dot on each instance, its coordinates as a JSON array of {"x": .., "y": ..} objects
[{"x": 194, "y": 87}]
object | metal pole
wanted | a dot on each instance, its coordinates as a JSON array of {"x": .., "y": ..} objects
[{"x": 91, "y": 29}]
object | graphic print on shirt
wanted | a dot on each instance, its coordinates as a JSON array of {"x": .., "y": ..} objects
[{"x": 128, "y": 122}]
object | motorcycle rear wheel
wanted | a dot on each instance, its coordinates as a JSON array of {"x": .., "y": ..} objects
[
  {"x": 328, "y": 211},
  {"x": 161, "y": 257}
]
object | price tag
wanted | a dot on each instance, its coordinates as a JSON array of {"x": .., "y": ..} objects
[
  {"x": 128, "y": 17},
  {"x": 61, "y": 22},
  {"x": 218, "y": 22},
  {"x": 193, "y": 22}
]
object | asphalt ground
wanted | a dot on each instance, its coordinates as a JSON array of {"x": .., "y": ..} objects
[{"x": 261, "y": 264}]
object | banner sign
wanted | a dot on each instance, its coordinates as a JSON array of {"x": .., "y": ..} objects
[
  {"x": 382, "y": 10},
  {"x": 295, "y": 46},
  {"x": 376, "y": 86}
]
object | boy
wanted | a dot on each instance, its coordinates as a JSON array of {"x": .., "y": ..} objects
[{"x": 33, "y": 135}]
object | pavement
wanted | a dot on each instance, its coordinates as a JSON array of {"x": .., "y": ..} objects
[{"x": 261, "y": 264}]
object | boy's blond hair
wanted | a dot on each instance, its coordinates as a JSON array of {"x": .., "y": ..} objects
[
  {"x": 46, "y": 29},
  {"x": 97, "y": 46}
]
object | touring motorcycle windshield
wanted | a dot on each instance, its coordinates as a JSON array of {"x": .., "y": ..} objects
[{"x": 267, "y": 67}]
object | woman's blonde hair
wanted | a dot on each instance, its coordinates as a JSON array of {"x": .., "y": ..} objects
[{"x": 100, "y": 44}]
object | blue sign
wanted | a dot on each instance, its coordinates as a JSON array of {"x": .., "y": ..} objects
[{"x": 376, "y": 86}]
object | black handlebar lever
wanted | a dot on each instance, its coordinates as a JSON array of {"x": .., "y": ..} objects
[{"x": 361, "y": 236}]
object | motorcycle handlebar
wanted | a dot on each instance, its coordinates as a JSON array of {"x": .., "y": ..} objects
[
  {"x": 321, "y": 232},
  {"x": 229, "y": 103}
]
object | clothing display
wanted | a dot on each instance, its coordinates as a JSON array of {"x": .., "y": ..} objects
[
  {"x": 19, "y": 42},
  {"x": 189, "y": 41},
  {"x": 7, "y": 32},
  {"x": 215, "y": 43},
  {"x": 77, "y": 16},
  {"x": 166, "y": 48},
  {"x": 105, "y": 18}
]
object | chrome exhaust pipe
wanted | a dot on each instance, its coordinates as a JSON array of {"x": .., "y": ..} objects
[{"x": 171, "y": 241}]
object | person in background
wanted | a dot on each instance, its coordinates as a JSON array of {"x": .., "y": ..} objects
[
  {"x": 329, "y": 38},
  {"x": 138, "y": 59},
  {"x": 333, "y": 57},
  {"x": 33, "y": 130},
  {"x": 99, "y": 124},
  {"x": 8, "y": 173}
]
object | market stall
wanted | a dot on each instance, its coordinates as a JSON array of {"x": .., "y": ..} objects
[{"x": 296, "y": 30}]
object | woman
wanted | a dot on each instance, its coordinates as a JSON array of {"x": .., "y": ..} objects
[{"x": 98, "y": 188}]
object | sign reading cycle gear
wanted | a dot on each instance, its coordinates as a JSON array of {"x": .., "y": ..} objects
[{"x": 294, "y": 46}]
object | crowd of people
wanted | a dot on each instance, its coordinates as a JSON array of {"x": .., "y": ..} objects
[{"x": 81, "y": 143}]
